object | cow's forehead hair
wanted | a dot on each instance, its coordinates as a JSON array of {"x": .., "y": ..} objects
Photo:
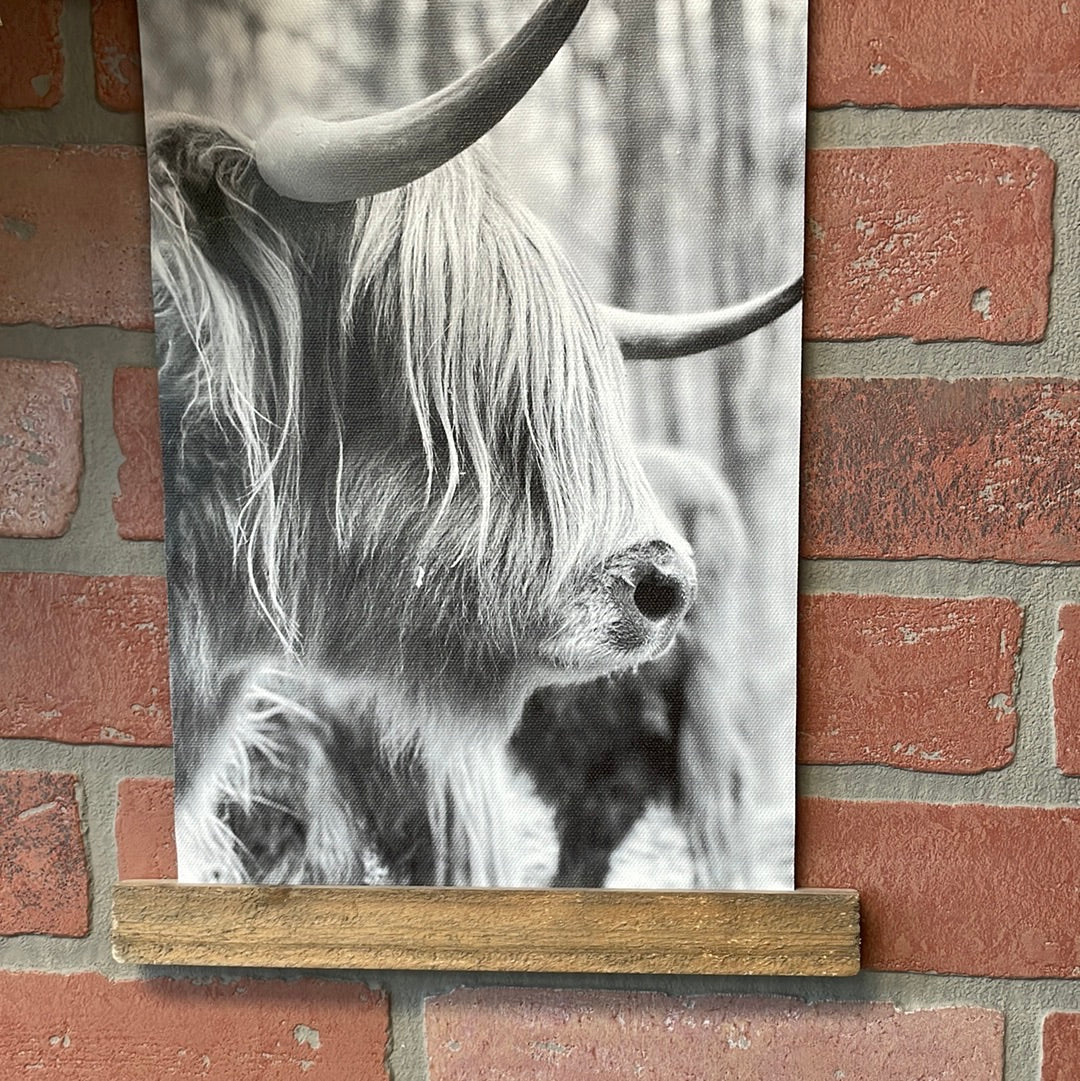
[{"x": 502, "y": 357}]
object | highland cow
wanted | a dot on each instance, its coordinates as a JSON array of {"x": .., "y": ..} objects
[{"x": 404, "y": 511}]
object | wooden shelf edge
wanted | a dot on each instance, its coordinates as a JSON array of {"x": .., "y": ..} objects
[{"x": 812, "y": 932}]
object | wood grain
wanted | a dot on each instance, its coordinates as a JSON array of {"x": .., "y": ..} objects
[{"x": 804, "y": 932}]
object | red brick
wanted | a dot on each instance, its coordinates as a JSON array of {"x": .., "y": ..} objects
[
  {"x": 499, "y": 1033},
  {"x": 44, "y": 884},
  {"x": 929, "y": 242},
  {"x": 83, "y": 1027},
  {"x": 117, "y": 72},
  {"x": 921, "y": 684},
  {"x": 1067, "y": 691},
  {"x": 84, "y": 660},
  {"x": 74, "y": 248},
  {"x": 947, "y": 52},
  {"x": 968, "y": 888},
  {"x": 912, "y": 468},
  {"x": 1060, "y": 1046},
  {"x": 31, "y": 55},
  {"x": 41, "y": 457},
  {"x": 139, "y": 506},
  {"x": 145, "y": 842}
]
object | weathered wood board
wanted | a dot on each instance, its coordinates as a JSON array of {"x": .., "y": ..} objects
[{"x": 805, "y": 932}]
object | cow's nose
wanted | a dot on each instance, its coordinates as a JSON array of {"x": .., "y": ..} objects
[
  {"x": 664, "y": 582},
  {"x": 659, "y": 595}
]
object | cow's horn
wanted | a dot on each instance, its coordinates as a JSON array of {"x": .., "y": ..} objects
[
  {"x": 317, "y": 161},
  {"x": 664, "y": 337}
]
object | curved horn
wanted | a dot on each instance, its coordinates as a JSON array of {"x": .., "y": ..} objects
[
  {"x": 665, "y": 337},
  {"x": 318, "y": 161}
]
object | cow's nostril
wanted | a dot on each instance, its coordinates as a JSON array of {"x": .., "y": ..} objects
[{"x": 658, "y": 595}]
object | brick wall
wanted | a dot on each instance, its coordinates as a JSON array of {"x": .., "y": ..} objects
[{"x": 940, "y": 667}]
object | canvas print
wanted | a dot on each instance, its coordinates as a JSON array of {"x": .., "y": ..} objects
[{"x": 479, "y": 362}]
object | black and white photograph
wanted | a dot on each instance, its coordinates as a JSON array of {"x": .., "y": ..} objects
[{"x": 478, "y": 335}]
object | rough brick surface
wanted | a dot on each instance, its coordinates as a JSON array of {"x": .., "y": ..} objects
[
  {"x": 74, "y": 247},
  {"x": 117, "y": 72},
  {"x": 84, "y": 660},
  {"x": 969, "y": 888},
  {"x": 40, "y": 447},
  {"x": 44, "y": 885},
  {"x": 948, "y": 52},
  {"x": 31, "y": 55},
  {"x": 921, "y": 684},
  {"x": 1067, "y": 691},
  {"x": 496, "y": 1034},
  {"x": 139, "y": 506},
  {"x": 929, "y": 242},
  {"x": 1060, "y": 1046},
  {"x": 145, "y": 842},
  {"x": 82, "y": 1027},
  {"x": 907, "y": 468}
]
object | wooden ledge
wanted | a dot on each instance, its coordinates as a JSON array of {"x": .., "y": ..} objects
[{"x": 799, "y": 933}]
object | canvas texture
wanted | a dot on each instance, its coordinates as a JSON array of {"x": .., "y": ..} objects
[{"x": 480, "y": 421}]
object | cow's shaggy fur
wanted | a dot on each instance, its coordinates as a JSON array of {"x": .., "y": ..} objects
[{"x": 401, "y": 500}]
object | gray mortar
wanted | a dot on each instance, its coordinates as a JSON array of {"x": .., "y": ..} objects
[{"x": 92, "y": 546}]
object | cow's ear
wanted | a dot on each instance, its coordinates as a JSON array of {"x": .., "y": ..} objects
[
  {"x": 209, "y": 199},
  {"x": 227, "y": 270},
  {"x": 205, "y": 188}
]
